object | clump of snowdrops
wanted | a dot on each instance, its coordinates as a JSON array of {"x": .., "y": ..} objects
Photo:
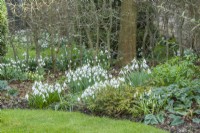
[
  {"x": 132, "y": 74},
  {"x": 44, "y": 94},
  {"x": 85, "y": 76},
  {"x": 136, "y": 73}
]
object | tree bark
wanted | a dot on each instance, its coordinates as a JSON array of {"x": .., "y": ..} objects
[{"x": 127, "y": 33}]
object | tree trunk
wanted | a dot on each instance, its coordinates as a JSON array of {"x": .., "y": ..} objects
[
  {"x": 127, "y": 34},
  {"x": 37, "y": 46}
]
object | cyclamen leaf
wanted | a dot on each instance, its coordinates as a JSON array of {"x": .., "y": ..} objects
[
  {"x": 160, "y": 118},
  {"x": 177, "y": 120},
  {"x": 150, "y": 119},
  {"x": 196, "y": 120},
  {"x": 197, "y": 112}
]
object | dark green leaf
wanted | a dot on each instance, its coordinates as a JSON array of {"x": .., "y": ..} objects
[
  {"x": 176, "y": 120},
  {"x": 160, "y": 118},
  {"x": 196, "y": 120},
  {"x": 150, "y": 119}
]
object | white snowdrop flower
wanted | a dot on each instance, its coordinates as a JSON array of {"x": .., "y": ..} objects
[
  {"x": 64, "y": 85},
  {"x": 44, "y": 89},
  {"x": 136, "y": 66},
  {"x": 47, "y": 95},
  {"x": 26, "y": 96},
  {"x": 43, "y": 96},
  {"x": 149, "y": 92},
  {"x": 144, "y": 66},
  {"x": 126, "y": 67},
  {"x": 144, "y": 61},
  {"x": 135, "y": 94},
  {"x": 121, "y": 79},
  {"x": 59, "y": 90},
  {"x": 78, "y": 99},
  {"x": 148, "y": 71}
]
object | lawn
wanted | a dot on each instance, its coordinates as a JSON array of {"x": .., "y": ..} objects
[{"x": 45, "y": 121}]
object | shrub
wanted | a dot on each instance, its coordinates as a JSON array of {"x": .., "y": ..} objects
[
  {"x": 175, "y": 71},
  {"x": 3, "y": 27},
  {"x": 160, "y": 49},
  {"x": 112, "y": 102}
]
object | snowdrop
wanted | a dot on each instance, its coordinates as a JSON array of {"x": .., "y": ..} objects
[
  {"x": 44, "y": 90},
  {"x": 26, "y": 96},
  {"x": 135, "y": 66},
  {"x": 85, "y": 76},
  {"x": 91, "y": 90}
]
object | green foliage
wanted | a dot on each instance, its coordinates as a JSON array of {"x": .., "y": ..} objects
[
  {"x": 37, "y": 101},
  {"x": 175, "y": 71},
  {"x": 13, "y": 92},
  {"x": 12, "y": 73},
  {"x": 34, "y": 76},
  {"x": 176, "y": 120},
  {"x": 112, "y": 102},
  {"x": 148, "y": 104},
  {"x": 68, "y": 102},
  {"x": 160, "y": 50},
  {"x": 74, "y": 56},
  {"x": 43, "y": 95},
  {"x": 150, "y": 119},
  {"x": 137, "y": 78},
  {"x": 115, "y": 102},
  {"x": 196, "y": 120},
  {"x": 3, "y": 85},
  {"x": 160, "y": 117},
  {"x": 3, "y": 27},
  {"x": 180, "y": 102},
  {"x": 19, "y": 70},
  {"x": 85, "y": 76}
]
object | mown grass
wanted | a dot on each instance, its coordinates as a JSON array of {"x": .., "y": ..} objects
[{"x": 46, "y": 121}]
